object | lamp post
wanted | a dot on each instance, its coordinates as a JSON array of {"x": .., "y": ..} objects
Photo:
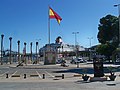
[
  {"x": 2, "y": 48},
  {"x": 75, "y": 33},
  {"x": 118, "y": 5},
  {"x": 10, "y": 49},
  {"x": 90, "y": 38}
]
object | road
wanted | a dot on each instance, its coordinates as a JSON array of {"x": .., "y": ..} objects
[{"x": 77, "y": 85}]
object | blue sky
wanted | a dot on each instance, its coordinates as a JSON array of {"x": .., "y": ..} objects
[{"x": 27, "y": 20}]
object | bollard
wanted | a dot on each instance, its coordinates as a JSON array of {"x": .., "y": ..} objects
[
  {"x": 6, "y": 75},
  {"x": 43, "y": 76},
  {"x": 62, "y": 76},
  {"x": 77, "y": 64},
  {"x": 24, "y": 76}
]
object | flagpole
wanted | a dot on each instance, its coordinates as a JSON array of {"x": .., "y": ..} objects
[{"x": 48, "y": 26}]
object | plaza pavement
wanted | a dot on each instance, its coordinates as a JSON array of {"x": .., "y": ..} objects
[
  {"x": 68, "y": 72},
  {"x": 70, "y": 82}
]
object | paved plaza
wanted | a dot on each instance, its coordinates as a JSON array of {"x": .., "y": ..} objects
[
  {"x": 53, "y": 78},
  {"x": 58, "y": 86}
]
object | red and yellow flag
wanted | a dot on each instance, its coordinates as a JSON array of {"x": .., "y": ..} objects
[{"x": 53, "y": 14}]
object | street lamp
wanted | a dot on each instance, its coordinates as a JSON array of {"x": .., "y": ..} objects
[
  {"x": 75, "y": 33},
  {"x": 90, "y": 38},
  {"x": 75, "y": 37},
  {"x": 2, "y": 48},
  {"x": 118, "y": 5}
]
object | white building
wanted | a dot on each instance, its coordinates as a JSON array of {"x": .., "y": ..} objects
[{"x": 61, "y": 48}]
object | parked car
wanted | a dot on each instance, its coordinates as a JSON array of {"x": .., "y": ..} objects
[
  {"x": 60, "y": 61},
  {"x": 75, "y": 61}
]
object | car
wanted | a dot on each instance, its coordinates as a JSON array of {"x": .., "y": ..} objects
[
  {"x": 60, "y": 61},
  {"x": 77, "y": 60}
]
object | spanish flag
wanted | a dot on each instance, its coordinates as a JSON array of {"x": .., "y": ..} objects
[{"x": 53, "y": 14}]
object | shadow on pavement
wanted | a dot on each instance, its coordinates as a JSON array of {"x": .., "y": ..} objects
[
  {"x": 88, "y": 70},
  {"x": 82, "y": 82}
]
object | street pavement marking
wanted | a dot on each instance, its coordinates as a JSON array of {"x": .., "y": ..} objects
[
  {"x": 13, "y": 74},
  {"x": 38, "y": 74},
  {"x": 4, "y": 73},
  {"x": 50, "y": 74}
]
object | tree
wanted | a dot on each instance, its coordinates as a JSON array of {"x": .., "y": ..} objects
[
  {"x": 108, "y": 35},
  {"x": 108, "y": 30},
  {"x": 106, "y": 49}
]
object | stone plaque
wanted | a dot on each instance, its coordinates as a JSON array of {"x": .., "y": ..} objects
[{"x": 98, "y": 67}]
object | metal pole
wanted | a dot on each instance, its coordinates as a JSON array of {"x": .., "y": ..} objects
[
  {"x": 90, "y": 46},
  {"x": 118, "y": 5},
  {"x": 119, "y": 23},
  {"x": 48, "y": 26},
  {"x": 2, "y": 49},
  {"x": 76, "y": 42}
]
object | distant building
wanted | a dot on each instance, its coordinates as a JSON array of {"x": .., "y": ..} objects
[{"x": 59, "y": 46}]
